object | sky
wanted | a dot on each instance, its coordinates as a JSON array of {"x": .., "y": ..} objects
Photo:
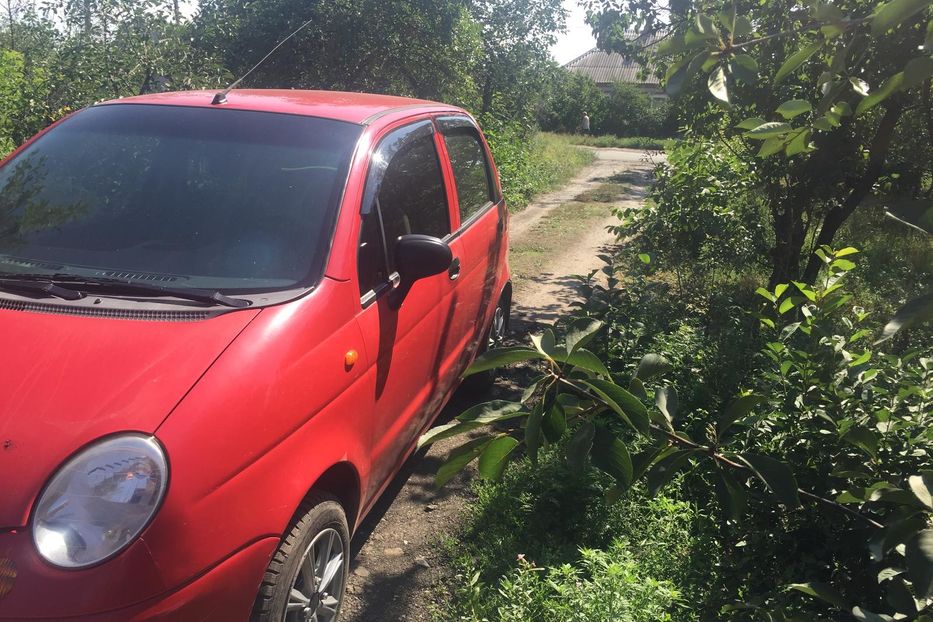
[{"x": 578, "y": 38}]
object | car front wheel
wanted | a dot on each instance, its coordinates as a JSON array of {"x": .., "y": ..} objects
[{"x": 306, "y": 579}]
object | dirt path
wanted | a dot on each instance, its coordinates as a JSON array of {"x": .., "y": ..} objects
[{"x": 397, "y": 567}]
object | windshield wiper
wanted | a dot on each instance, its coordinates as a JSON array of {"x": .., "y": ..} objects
[
  {"x": 45, "y": 288},
  {"x": 78, "y": 286}
]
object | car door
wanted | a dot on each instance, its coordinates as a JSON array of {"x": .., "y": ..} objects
[
  {"x": 403, "y": 328},
  {"x": 480, "y": 238}
]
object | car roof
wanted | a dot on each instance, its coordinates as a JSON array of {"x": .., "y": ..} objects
[{"x": 361, "y": 108}]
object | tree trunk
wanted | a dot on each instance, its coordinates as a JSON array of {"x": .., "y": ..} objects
[
  {"x": 177, "y": 11},
  {"x": 788, "y": 241},
  {"x": 861, "y": 187}
]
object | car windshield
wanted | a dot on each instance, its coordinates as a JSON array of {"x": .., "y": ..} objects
[{"x": 193, "y": 197}]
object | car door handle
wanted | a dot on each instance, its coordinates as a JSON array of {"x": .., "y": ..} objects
[{"x": 454, "y": 270}]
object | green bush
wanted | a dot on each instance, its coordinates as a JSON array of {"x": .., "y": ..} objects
[
  {"x": 631, "y": 112},
  {"x": 704, "y": 212},
  {"x": 606, "y": 586},
  {"x": 529, "y": 162},
  {"x": 520, "y": 550}
]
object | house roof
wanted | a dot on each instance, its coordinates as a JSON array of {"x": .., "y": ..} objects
[{"x": 608, "y": 67}]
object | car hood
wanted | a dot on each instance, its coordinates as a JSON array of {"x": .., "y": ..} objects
[{"x": 66, "y": 381}]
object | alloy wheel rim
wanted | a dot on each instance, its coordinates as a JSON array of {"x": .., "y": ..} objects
[
  {"x": 317, "y": 590},
  {"x": 498, "y": 328}
]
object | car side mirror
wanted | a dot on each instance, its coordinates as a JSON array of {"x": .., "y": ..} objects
[{"x": 418, "y": 257}]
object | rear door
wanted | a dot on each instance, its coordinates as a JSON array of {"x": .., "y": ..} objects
[
  {"x": 404, "y": 338},
  {"x": 479, "y": 241}
]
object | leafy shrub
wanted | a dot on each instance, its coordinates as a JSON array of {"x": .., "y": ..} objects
[
  {"x": 631, "y": 112},
  {"x": 822, "y": 475},
  {"x": 530, "y": 163},
  {"x": 704, "y": 211},
  {"x": 543, "y": 514},
  {"x": 608, "y": 586}
]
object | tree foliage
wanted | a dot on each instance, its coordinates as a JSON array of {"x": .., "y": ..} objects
[{"x": 817, "y": 90}]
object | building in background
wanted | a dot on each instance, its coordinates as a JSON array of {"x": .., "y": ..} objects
[{"x": 608, "y": 68}]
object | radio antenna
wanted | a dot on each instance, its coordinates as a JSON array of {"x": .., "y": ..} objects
[{"x": 221, "y": 97}]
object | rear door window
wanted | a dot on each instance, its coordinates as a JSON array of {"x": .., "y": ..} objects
[
  {"x": 405, "y": 194},
  {"x": 471, "y": 170}
]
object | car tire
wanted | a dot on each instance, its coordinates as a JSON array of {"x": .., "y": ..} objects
[
  {"x": 498, "y": 328},
  {"x": 318, "y": 539}
]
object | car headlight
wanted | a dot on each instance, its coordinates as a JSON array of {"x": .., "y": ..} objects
[{"x": 100, "y": 501}]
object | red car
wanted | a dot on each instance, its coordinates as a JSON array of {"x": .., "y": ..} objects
[{"x": 224, "y": 325}]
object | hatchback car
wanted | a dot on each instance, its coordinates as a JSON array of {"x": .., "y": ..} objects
[{"x": 225, "y": 323}]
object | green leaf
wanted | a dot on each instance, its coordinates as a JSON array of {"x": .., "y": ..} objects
[
  {"x": 751, "y": 123},
  {"x": 796, "y": 60},
  {"x": 745, "y": 68},
  {"x": 922, "y": 487},
  {"x": 743, "y": 27},
  {"x": 610, "y": 455},
  {"x": 718, "y": 84},
  {"x": 917, "y": 71},
  {"x": 919, "y": 554},
  {"x": 793, "y": 108},
  {"x": 533, "y": 432},
  {"x": 799, "y": 144},
  {"x": 666, "y": 400},
  {"x": 859, "y": 86},
  {"x": 662, "y": 471},
  {"x": 786, "y": 305},
  {"x": 587, "y": 360},
  {"x": 761, "y": 291},
  {"x": 864, "y": 439},
  {"x": 651, "y": 366},
  {"x": 770, "y": 147},
  {"x": 822, "y": 591},
  {"x": 731, "y": 494},
  {"x": 887, "y": 88},
  {"x": 545, "y": 343},
  {"x": 579, "y": 446},
  {"x": 645, "y": 258},
  {"x": 626, "y": 405},
  {"x": 891, "y": 14},
  {"x": 459, "y": 458},
  {"x": 678, "y": 75},
  {"x": 581, "y": 332},
  {"x": 643, "y": 460},
  {"x": 769, "y": 130},
  {"x": 554, "y": 422},
  {"x": 473, "y": 418},
  {"x": 842, "y": 264},
  {"x": 500, "y": 357},
  {"x": 861, "y": 359},
  {"x": 843, "y": 252},
  {"x": 737, "y": 410},
  {"x": 916, "y": 311},
  {"x": 495, "y": 456},
  {"x": 777, "y": 475}
]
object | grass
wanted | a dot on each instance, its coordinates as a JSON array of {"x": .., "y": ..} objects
[
  {"x": 537, "y": 543},
  {"x": 619, "y": 142},
  {"x": 605, "y": 193},
  {"x": 546, "y": 162}
]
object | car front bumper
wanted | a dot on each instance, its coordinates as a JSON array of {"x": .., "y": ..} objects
[{"x": 224, "y": 593}]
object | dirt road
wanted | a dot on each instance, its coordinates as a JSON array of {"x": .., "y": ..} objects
[{"x": 398, "y": 568}]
